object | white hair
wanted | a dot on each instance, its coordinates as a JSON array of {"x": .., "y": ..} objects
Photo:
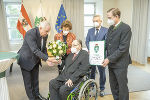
[{"x": 43, "y": 24}]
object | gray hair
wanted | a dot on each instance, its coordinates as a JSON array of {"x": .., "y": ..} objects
[
  {"x": 79, "y": 41},
  {"x": 97, "y": 16},
  {"x": 43, "y": 24}
]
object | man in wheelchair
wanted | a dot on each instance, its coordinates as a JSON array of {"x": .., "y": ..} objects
[{"x": 75, "y": 67}]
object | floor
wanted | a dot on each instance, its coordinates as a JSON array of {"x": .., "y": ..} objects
[
  {"x": 17, "y": 92},
  {"x": 142, "y": 95}
]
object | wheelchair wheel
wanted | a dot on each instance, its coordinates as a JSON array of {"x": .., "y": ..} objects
[{"x": 88, "y": 91}]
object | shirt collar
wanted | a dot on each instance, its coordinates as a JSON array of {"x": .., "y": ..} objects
[
  {"x": 118, "y": 23},
  {"x": 98, "y": 28},
  {"x": 78, "y": 52}
]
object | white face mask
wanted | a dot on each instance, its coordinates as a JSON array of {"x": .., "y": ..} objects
[
  {"x": 74, "y": 50},
  {"x": 110, "y": 22},
  {"x": 65, "y": 32},
  {"x": 96, "y": 24}
]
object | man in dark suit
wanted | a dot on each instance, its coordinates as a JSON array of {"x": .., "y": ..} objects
[
  {"x": 76, "y": 65},
  {"x": 118, "y": 57},
  {"x": 31, "y": 53},
  {"x": 97, "y": 33}
]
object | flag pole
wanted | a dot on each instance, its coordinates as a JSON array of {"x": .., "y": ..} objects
[
  {"x": 61, "y": 1},
  {"x": 41, "y": 7}
]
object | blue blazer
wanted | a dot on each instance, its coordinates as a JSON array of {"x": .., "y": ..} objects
[{"x": 91, "y": 35}]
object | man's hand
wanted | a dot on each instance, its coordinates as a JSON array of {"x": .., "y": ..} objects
[
  {"x": 50, "y": 63},
  {"x": 105, "y": 62},
  {"x": 69, "y": 83},
  {"x": 52, "y": 59},
  {"x": 59, "y": 61}
]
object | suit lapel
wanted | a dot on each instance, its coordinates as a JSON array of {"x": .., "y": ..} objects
[
  {"x": 38, "y": 37},
  {"x": 100, "y": 34},
  {"x": 72, "y": 61},
  {"x": 93, "y": 34}
]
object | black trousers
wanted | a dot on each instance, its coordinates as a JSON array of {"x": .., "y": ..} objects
[
  {"x": 118, "y": 83},
  {"x": 102, "y": 78},
  {"x": 31, "y": 82},
  {"x": 58, "y": 90}
]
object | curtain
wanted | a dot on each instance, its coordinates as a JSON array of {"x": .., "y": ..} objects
[
  {"x": 75, "y": 13},
  {"x": 4, "y": 41},
  {"x": 138, "y": 48},
  {"x": 148, "y": 30}
]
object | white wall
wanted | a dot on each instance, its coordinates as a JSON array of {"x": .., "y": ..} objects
[
  {"x": 125, "y": 7},
  {"x": 107, "y": 4}
]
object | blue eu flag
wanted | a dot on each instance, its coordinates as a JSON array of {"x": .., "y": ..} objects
[{"x": 60, "y": 18}]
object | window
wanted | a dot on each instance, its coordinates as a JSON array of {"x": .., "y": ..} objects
[
  {"x": 12, "y": 13},
  {"x": 89, "y": 12}
]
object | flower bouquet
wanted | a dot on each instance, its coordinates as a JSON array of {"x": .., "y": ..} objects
[{"x": 57, "y": 49}]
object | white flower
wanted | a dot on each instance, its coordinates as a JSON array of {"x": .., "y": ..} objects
[
  {"x": 54, "y": 45},
  {"x": 50, "y": 47},
  {"x": 54, "y": 51},
  {"x": 57, "y": 57},
  {"x": 60, "y": 52},
  {"x": 59, "y": 47}
]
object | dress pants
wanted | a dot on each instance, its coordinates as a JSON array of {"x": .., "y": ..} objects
[
  {"x": 102, "y": 79},
  {"x": 31, "y": 82},
  {"x": 118, "y": 83},
  {"x": 58, "y": 90}
]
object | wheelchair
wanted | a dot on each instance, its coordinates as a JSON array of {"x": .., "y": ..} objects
[{"x": 87, "y": 89}]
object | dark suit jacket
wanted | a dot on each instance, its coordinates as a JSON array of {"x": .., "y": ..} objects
[
  {"x": 75, "y": 69},
  {"x": 91, "y": 35},
  {"x": 30, "y": 52},
  {"x": 117, "y": 45}
]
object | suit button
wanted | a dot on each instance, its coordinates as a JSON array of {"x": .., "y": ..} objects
[{"x": 109, "y": 44}]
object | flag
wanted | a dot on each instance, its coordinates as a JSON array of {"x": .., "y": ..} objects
[
  {"x": 24, "y": 23},
  {"x": 60, "y": 18}
]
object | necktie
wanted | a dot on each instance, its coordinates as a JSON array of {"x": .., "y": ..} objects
[
  {"x": 74, "y": 56},
  {"x": 96, "y": 33}
]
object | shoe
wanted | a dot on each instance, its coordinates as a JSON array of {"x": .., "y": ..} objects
[
  {"x": 39, "y": 97},
  {"x": 102, "y": 93}
]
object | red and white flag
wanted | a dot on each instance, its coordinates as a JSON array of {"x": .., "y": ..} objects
[{"x": 24, "y": 23}]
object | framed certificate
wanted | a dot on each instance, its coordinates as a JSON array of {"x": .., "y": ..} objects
[{"x": 97, "y": 52}]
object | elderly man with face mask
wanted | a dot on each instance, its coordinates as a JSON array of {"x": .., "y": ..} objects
[
  {"x": 76, "y": 65},
  {"x": 97, "y": 33},
  {"x": 31, "y": 53}
]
